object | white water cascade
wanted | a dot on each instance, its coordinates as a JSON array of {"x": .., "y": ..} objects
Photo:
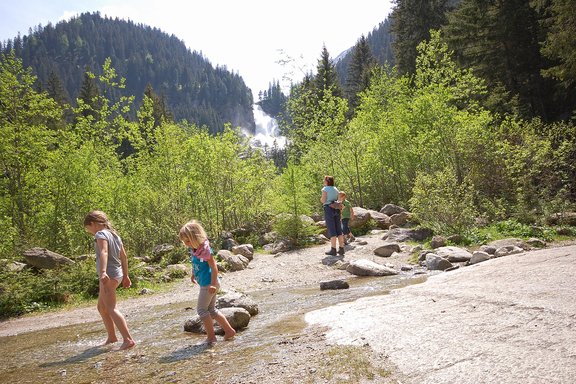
[{"x": 266, "y": 130}]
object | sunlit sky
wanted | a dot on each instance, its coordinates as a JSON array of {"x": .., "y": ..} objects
[{"x": 248, "y": 37}]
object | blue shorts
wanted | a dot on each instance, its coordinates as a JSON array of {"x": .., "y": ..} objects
[
  {"x": 332, "y": 219},
  {"x": 345, "y": 227}
]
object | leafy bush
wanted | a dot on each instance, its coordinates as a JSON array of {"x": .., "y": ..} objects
[{"x": 443, "y": 204}]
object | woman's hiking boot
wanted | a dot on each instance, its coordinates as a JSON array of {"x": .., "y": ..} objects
[
  {"x": 331, "y": 252},
  {"x": 341, "y": 251}
]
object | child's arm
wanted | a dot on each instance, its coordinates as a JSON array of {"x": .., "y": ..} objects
[
  {"x": 214, "y": 275},
  {"x": 126, "y": 282},
  {"x": 103, "y": 246}
]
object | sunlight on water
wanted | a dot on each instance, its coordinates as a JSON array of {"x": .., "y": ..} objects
[{"x": 165, "y": 353}]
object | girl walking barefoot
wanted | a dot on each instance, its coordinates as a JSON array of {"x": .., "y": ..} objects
[
  {"x": 112, "y": 268},
  {"x": 205, "y": 273}
]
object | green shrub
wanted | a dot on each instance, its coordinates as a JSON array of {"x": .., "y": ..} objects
[{"x": 443, "y": 204}]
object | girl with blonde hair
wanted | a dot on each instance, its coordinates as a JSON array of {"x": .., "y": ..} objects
[{"x": 205, "y": 273}]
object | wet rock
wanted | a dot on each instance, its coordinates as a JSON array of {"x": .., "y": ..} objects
[
  {"x": 334, "y": 284},
  {"x": 237, "y": 317},
  {"x": 234, "y": 299}
]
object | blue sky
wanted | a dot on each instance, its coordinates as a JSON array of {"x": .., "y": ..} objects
[{"x": 248, "y": 37}]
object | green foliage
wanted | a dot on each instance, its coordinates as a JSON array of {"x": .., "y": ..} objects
[{"x": 443, "y": 204}]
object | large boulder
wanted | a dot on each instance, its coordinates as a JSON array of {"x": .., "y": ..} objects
[
  {"x": 391, "y": 209},
  {"x": 246, "y": 250},
  {"x": 453, "y": 254},
  {"x": 234, "y": 262},
  {"x": 387, "y": 249},
  {"x": 437, "y": 263},
  {"x": 234, "y": 299},
  {"x": 43, "y": 258},
  {"x": 364, "y": 267}
]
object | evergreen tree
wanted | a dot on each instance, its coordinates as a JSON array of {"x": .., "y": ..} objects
[
  {"x": 161, "y": 113},
  {"x": 88, "y": 97},
  {"x": 56, "y": 89},
  {"x": 326, "y": 78},
  {"x": 499, "y": 40},
  {"x": 412, "y": 21},
  {"x": 359, "y": 72},
  {"x": 560, "y": 42}
]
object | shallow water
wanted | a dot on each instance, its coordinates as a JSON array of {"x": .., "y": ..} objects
[{"x": 165, "y": 353}]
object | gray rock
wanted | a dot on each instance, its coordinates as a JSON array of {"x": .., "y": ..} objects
[
  {"x": 391, "y": 209},
  {"x": 453, "y": 254},
  {"x": 438, "y": 241},
  {"x": 508, "y": 250},
  {"x": 364, "y": 267},
  {"x": 246, "y": 250},
  {"x": 406, "y": 234},
  {"x": 479, "y": 256},
  {"x": 237, "y": 317},
  {"x": 235, "y": 262},
  {"x": 489, "y": 249},
  {"x": 234, "y": 299},
  {"x": 334, "y": 284},
  {"x": 510, "y": 241},
  {"x": 43, "y": 258},
  {"x": 387, "y": 249},
  {"x": 437, "y": 263}
]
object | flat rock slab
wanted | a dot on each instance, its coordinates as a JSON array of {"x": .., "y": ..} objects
[{"x": 507, "y": 320}]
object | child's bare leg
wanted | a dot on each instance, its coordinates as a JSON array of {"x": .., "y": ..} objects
[
  {"x": 109, "y": 303},
  {"x": 229, "y": 332},
  {"x": 209, "y": 328},
  {"x": 106, "y": 318}
]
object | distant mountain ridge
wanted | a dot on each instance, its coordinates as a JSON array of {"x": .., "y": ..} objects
[{"x": 193, "y": 89}]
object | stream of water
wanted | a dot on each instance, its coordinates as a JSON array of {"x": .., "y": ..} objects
[{"x": 165, "y": 353}]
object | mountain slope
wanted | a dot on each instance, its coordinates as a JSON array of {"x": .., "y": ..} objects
[{"x": 193, "y": 88}]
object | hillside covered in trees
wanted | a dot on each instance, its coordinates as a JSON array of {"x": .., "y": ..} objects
[{"x": 188, "y": 85}]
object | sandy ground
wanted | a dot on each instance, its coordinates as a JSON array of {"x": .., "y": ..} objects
[{"x": 507, "y": 320}]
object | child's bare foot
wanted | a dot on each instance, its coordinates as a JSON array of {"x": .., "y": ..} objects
[
  {"x": 230, "y": 335},
  {"x": 110, "y": 341},
  {"x": 127, "y": 344},
  {"x": 211, "y": 341}
]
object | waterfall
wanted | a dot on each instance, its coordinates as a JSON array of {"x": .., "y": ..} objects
[{"x": 266, "y": 130}]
